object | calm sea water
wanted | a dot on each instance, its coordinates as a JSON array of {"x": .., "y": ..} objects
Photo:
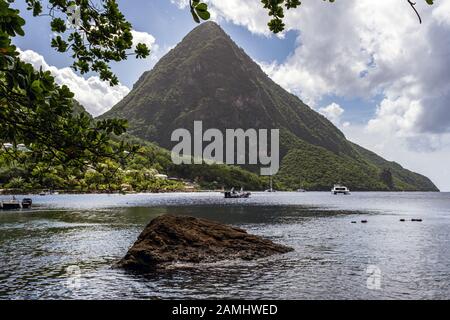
[{"x": 65, "y": 247}]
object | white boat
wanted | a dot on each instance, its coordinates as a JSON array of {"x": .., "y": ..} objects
[{"x": 340, "y": 189}]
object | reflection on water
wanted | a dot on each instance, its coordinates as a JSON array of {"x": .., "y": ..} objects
[{"x": 330, "y": 260}]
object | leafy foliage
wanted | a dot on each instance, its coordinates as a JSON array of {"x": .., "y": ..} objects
[
  {"x": 199, "y": 10},
  {"x": 276, "y": 10},
  {"x": 138, "y": 173},
  {"x": 37, "y": 112},
  {"x": 97, "y": 34}
]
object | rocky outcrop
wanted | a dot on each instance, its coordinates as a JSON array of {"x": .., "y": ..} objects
[{"x": 168, "y": 239}]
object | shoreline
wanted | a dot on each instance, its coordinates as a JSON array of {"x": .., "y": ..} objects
[{"x": 15, "y": 192}]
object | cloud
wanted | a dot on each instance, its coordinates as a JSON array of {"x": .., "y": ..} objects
[
  {"x": 428, "y": 154},
  {"x": 145, "y": 38},
  {"x": 95, "y": 95},
  {"x": 364, "y": 49},
  {"x": 249, "y": 14},
  {"x": 333, "y": 112},
  {"x": 370, "y": 50},
  {"x": 182, "y": 4}
]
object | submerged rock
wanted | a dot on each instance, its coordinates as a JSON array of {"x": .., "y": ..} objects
[{"x": 169, "y": 239}]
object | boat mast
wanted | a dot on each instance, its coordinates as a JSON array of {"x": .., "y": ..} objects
[{"x": 271, "y": 180}]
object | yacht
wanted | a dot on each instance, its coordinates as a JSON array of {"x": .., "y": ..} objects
[{"x": 340, "y": 189}]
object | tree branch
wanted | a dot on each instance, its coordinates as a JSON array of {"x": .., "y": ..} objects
[{"x": 413, "y": 5}]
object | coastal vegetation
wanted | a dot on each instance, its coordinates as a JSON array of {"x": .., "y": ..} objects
[
  {"x": 216, "y": 82},
  {"x": 67, "y": 149},
  {"x": 149, "y": 169}
]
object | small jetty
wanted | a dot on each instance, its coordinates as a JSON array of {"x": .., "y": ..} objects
[{"x": 15, "y": 204}]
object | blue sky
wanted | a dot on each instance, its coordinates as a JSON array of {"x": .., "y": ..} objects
[
  {"x": 368, "y": 66},
  {"x": 169, "y": 24}
]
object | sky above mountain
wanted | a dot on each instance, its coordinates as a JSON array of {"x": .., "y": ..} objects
[{"x": 369, "y": 66}]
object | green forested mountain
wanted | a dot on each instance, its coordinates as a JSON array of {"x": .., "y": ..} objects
[
  {"x": 208, "y": 77},
  {"x": 22, "y": 173},
  {"x": 78, "y": 108}
]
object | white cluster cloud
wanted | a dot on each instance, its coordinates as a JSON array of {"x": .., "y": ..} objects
[
  {"x": 427, "y": 155},
  {"x": 249, "y": 13},
  {"x": 95, "y": 95},
  {"x": 366, "y": 49},
  {"x": 363, "y": 48},
  {"x": 333, "y": 112},
  {"x": 145, "y": 38}
]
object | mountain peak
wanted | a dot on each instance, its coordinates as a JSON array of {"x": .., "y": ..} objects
[
  {"x": 209, "y": 26},
  {"x": 206, "y": 33},
  {"x": 208, "y": 78}
]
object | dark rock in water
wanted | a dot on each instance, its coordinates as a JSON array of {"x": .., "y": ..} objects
[{"x": 168, "y": 239}]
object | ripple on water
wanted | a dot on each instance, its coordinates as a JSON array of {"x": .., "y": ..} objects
[{"x": 330, "y": 260}]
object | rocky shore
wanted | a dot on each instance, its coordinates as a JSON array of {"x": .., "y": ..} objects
[{"x": 169, "y": 239}]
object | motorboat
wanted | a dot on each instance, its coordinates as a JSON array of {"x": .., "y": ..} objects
[
  {"x": 10, "y": 205},
  {"x": 27, "y": 203},
  {"x": 233, "y": 194},
  {"x": 340, "y": 189},
  {"x": 16, "y": 204}
]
